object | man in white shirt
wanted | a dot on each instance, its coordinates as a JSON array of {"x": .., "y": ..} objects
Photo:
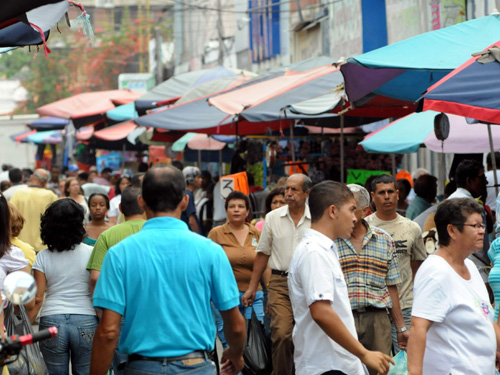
[
  {"x": 283, "y": 230},
  {"x": 325, "y": 335}
]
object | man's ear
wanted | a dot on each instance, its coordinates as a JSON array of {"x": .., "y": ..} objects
[
  {"x": 183, "y": 203},
  {"x": 365, "y": 212},
  {"x": 332, "y": 211},
  {"x": 120, "y": 207},
  {"x": 141, "y": 201}
]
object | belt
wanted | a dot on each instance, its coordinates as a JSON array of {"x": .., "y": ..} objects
[
  {"x": 369, "y": 309},
  {"x": 195, "y": 354},
  {"x": 280, "y": 273}
]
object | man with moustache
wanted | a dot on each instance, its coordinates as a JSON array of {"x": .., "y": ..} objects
[
  {"x": 283, "y": 230},
  {"x": 407, "y": 236}
]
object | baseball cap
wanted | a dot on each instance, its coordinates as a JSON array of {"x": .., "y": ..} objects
[{"x": 191, "y": 172}]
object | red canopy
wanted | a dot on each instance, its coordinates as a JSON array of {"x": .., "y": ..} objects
[
  {"x": 87, "y": 104},
  {"x": 116, "y": 132}
]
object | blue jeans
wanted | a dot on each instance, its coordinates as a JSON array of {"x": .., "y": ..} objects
[
  {"x": 74, "y": 341},
  {"x": 407, "y": 318},
  {"x": 206, "y": 367},
  {"x": 258, "y": 305}
]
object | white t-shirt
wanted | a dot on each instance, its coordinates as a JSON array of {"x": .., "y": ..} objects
[
  {"x": 13, "y": 260},
  {"x": 461, "y": 341},
  {"x": 68, "y": 281},
  {"x": 315, "y": 274},
  {"x": 114, "y": 206}
]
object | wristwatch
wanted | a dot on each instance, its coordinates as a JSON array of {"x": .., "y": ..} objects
[{"x": 401, "y": 330}]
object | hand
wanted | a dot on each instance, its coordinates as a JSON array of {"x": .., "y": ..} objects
[
  {"x": 377, "y": 361},
  {"x": 403, "y": 339},
  {"x": 231, "y": 363},
  {"x": 248, "y": 298}
]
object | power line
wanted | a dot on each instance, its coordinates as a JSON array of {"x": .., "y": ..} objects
[{"x": 190, "y": 7}]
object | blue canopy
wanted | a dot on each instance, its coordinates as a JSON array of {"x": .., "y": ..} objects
[
  {"x": 49, "y": 123},
  {"x": 122, "y": 113},
  {"x": 401, "y": 136},
  {"x": 404, "y": 70}
]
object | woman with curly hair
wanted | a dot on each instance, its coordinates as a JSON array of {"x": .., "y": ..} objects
[{"x": 60, "y": 271}]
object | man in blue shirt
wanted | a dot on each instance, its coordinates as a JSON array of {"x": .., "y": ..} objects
[{"x": 162, "y": 280}]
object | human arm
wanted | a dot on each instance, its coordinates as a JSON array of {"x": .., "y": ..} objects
[
  {"x": 416, "y": 344},
  {"x": 94, "y": 276},
  {"x": 234, "y": 331},
  {"x": 330, "y": 322},
  {"x": 397, "y": 316},
  {"x": 415, "y": 265},
  {"x": 105, "y": 340},
  {"x": 259, "y": 266},
  {"x": 41, "y": 284},
  {"x": 193, "y": 224}
]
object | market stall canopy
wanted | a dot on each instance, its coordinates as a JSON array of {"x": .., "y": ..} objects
[
  {"x": 48, "y": 123},
  {"x": 21, "y": 137},
  {"x": 123, "y": 112},
  {"x": 266, "y": 100},
  {"x": 472, "y": 90},
  {"x": 116, "y": 132},
  {"x": 173, "y": 88},
  {"x": 45, "y": 137},
  {"x": 14, "y": 11},
  {"x": 86, "y": 108},
  {"x": 404, "y": 70},
  {"x": 408, "y": 133},
  {"x": 197, "y": 142}
]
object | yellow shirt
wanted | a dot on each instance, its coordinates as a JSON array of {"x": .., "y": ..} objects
[
  {"x": 32, "y": 202},
  {"x": 29, "y": 252}
]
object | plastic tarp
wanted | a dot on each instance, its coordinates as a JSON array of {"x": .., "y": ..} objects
[
  {"x": 472, "y": 90},
  {"x": 86, "y": 104},
  {"x": 404, "y": 70},
  {"x": 408, "y": 133}
]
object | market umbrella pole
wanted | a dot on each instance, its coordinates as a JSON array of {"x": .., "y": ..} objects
[
  {"x": 493, "y": 161},
  {"x": 292, "y": 141}
]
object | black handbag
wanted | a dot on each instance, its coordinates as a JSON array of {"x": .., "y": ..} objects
[{"x": 257, "y": 350}]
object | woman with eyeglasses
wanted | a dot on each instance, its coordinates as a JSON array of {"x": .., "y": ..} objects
[{"x": 452, "y": 328}]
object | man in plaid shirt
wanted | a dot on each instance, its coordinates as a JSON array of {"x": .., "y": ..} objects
[{"x": 370, "y": 267}]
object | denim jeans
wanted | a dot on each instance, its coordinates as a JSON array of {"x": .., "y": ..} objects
[
  {"x": 74, "y": 341},
  {"x": 258, "y": 305},
  {"x": 206, "y": 367}
]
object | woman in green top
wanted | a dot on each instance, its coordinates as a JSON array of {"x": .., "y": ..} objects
[{"x": 99, "y": 205}]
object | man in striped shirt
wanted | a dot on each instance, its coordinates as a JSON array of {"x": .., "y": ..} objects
[{"x": 370, "y": 267}]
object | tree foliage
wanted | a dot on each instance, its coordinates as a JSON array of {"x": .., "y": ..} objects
[{"x": 75, "y": 66}]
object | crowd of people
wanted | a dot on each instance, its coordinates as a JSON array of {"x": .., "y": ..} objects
[{"x": 141, "y": 273}]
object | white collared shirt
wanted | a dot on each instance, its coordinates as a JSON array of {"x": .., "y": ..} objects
[
  {"x": 315, "y": 274},
  {"x": 280, "y": 236}
]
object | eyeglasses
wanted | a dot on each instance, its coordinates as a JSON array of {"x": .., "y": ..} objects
[{"x": 476, "y": 226}]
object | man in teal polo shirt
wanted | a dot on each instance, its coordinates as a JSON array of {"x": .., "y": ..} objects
[{"x": 162, "y": 280}]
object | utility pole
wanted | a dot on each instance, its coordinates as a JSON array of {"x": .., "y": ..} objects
[
  {"x": 158, "y": 57},
  {"x": 220, "y": 34},
  {"x": 141, "y": 39}
]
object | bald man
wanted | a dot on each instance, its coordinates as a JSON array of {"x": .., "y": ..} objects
[{"x": 32, "y": 202}]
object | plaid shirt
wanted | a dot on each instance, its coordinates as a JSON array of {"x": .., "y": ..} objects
[{"x": 369, "y": 273}]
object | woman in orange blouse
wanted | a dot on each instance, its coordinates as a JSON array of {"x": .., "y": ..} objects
[{"x": 239, "y": 240}]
